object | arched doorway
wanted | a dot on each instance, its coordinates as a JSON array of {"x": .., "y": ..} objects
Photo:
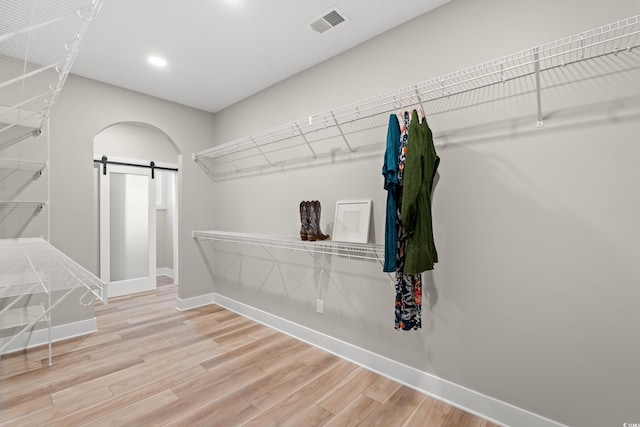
[{"x": 137, "y": 209}]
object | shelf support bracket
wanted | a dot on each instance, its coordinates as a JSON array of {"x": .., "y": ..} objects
[
  {"x": 390, "y": 275},
  {"x": 536, "y": 57},
  {"x": 261, "y": 152},
  {"x": 264, "y": 247},
  {"x": 415, "y": 87},
  {"x": 342, "y": 133},
  {"x": 315, "y": 156}
]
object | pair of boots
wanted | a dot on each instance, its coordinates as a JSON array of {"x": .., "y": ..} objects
[{"x": 310, "y": 218}]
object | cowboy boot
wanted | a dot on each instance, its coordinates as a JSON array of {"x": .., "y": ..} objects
[
  {"x": 314, "y": 222},
  {"x": 304, "y": 219}
]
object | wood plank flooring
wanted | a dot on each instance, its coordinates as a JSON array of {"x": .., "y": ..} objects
[{"x": 151, "y": 365}]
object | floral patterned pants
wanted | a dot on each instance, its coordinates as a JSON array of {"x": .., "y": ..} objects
[{"x": 408, "y": 305}]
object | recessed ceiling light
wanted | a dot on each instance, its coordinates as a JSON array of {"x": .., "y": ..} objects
[{"x": 157, "y": 61}]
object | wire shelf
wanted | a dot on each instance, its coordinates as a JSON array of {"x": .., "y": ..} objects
[
  {"x": 15, "y": 175},
  {"x": 355, "y": 129},
  {"x": 15, "y": 216},
  {"x": 38, "y": 45},
  {"x": 33, "y": 261},
  {"x": 39, "y": 42},
  {"x": 370, "y": 251},
  {"x": 31, "y": 266}
]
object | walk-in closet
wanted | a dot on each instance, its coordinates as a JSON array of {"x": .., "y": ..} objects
[{"x": 341, "y": 213}]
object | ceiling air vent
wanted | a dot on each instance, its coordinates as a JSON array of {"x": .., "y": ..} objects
[{"x": 327, "y": 21}]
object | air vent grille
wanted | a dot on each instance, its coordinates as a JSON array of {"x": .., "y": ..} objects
[
  {"x": 328, "y": 21},
  {"x": 333, "y": 18}
]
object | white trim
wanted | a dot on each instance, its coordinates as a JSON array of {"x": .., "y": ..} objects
[
  {"x": 195, "y": 302},
  {"x": 58, "y": 333},
  {"x": 164, "y": 271},
  {"x": 176, "y": 225},
  {"x": 132, "y": 286},
  {"x": 471, "y": 401},
  {"x": 104, "y": 188}
]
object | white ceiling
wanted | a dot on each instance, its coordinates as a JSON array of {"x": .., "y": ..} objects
[{"x": 222, "y": 51}]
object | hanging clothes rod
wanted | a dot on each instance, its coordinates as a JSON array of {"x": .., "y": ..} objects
[{"x": 104, "y": 161}]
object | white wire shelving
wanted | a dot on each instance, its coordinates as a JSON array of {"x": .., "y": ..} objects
[
  {"x": 355, "y": 129},
  {"x": 15, "y": 216},
  {"x": 15, "y": 175},
  {"x": 27, "y": 261},
  {"x": 39, "y": 42},
  {"x": 367, "y": 251},
  {"x": 32, "y": 267},
  {"x": 38, "y": 46}
]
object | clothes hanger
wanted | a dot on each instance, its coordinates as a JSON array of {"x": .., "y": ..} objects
[{"x": 418, "y": 107}]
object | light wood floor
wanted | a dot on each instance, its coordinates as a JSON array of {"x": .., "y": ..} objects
[{"x": 151, "y": 365}]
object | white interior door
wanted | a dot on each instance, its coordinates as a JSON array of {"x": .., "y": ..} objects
[{"x": 127, "y": 230}]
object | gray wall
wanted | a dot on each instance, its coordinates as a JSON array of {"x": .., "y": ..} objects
[
  {"x": 36, "y": 149},
  {"x": 534, "y": 301},
  {"x": 85, "y": 108},
  {"x": 31, "y": 149},
  {"x": 135, "y": 141}
]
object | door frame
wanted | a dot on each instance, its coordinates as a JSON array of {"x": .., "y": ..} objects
[{"x": 175, "y": 223}]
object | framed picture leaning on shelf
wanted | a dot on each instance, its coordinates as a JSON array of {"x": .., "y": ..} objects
[{"x": 352, "y": 220}]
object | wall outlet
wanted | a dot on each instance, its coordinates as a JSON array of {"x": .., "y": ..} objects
[{"x": 320, "y": 306}]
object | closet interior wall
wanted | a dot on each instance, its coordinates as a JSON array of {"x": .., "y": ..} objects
[
  {"x": 85, "y": 109},
  {"x": 534, "y": 294}
]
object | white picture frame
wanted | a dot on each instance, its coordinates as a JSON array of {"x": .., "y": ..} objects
[{"x": 351, "y": 221}]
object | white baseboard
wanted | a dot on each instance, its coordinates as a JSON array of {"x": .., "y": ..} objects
[
  {"x": 131, "y": 286},
  {"x": 58, "y": 333},
  {"x": 164, "y": 271},
  {"x": 471, "y": 401},
  {"x": 195, "y": 302}
]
